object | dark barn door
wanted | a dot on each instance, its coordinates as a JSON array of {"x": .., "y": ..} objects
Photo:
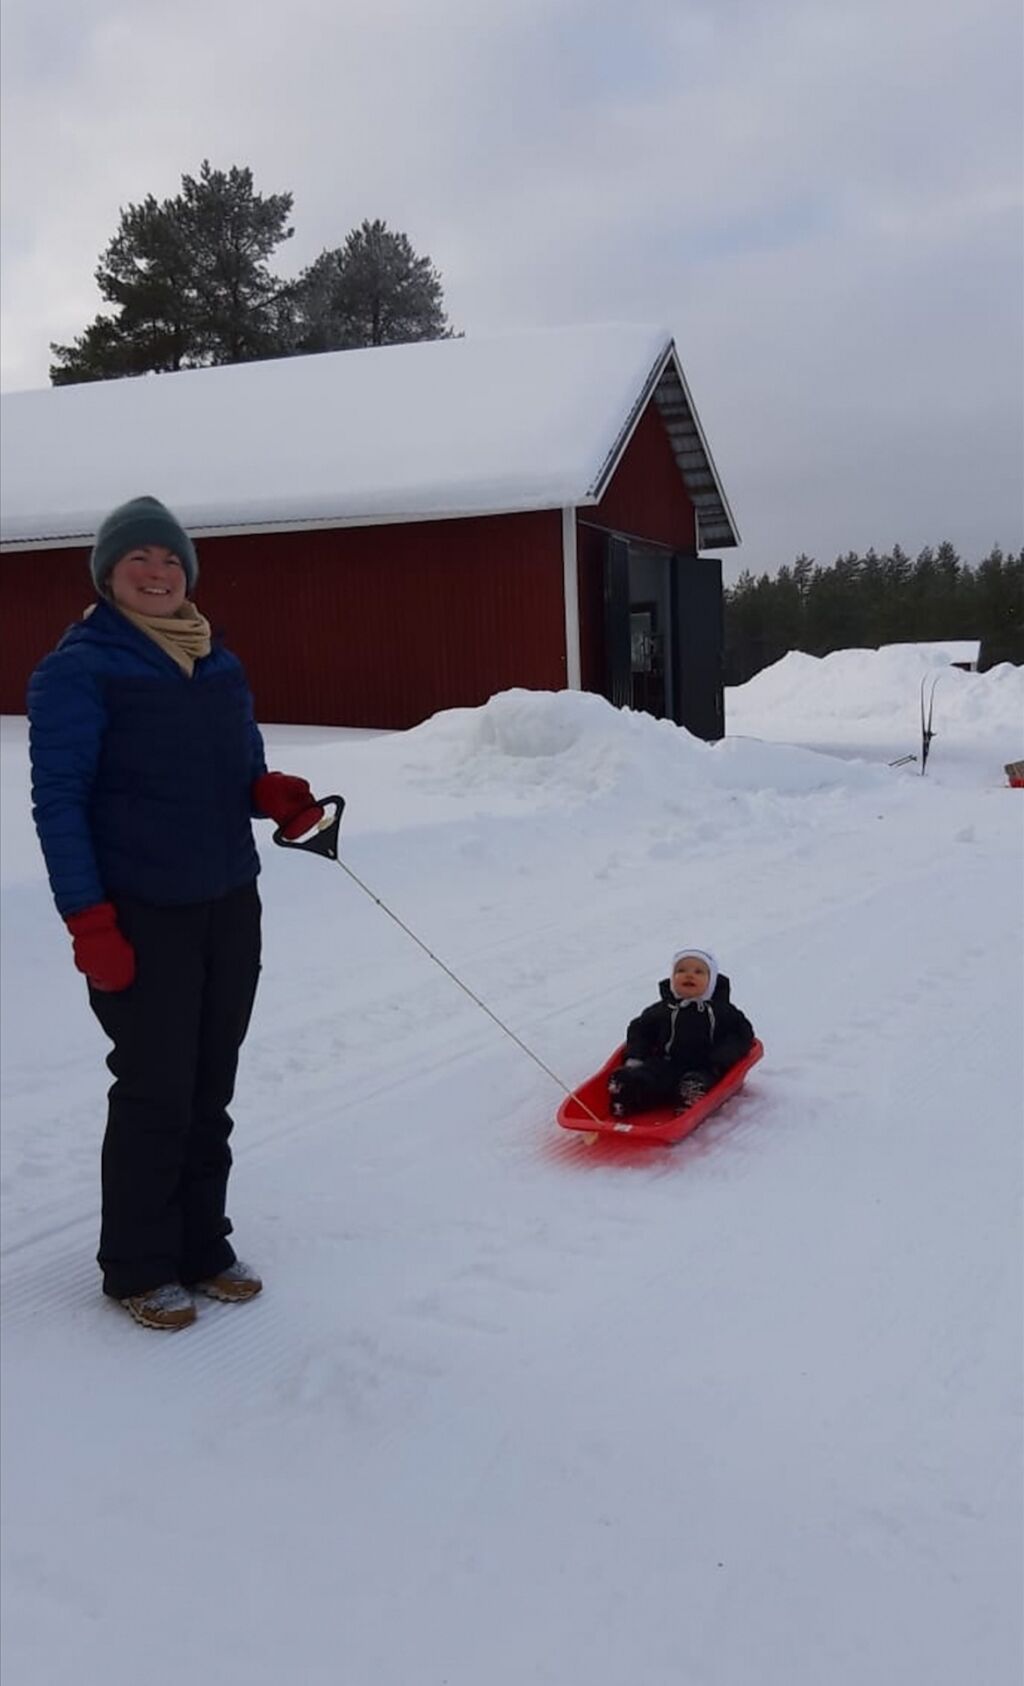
[
  {"x": 618, "y": 651},
  {"x": 699, "y": 696}
]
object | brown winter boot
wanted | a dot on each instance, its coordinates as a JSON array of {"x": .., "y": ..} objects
[
  {"x": 238, "y": 1282},
  {"x": 168, "y": 1307}
]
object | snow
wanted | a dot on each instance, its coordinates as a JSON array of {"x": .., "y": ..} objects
[
  {"x": 512, "y": 1409},
  {"x": 868, "y": 703},
  {"x": 945, "y": 649},
  {"x": 392, "y": 433}
]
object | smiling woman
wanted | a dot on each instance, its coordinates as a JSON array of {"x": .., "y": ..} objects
[{"x": 147, "y": 769}]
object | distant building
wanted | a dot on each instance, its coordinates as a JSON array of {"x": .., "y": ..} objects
[
  {"x": 390, "y": 532},
  {"x": 958, "y": 652}
]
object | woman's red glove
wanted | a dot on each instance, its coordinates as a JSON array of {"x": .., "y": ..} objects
[
  {"x": 105, "y": 956},
  {"x": 288, "y": 801}
]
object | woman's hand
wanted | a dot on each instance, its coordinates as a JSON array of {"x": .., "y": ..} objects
[
  {"x": 101, "y": 951},
  {"x": 288, "y": 801}
]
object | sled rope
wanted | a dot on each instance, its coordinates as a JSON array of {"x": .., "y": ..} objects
[{"x": 467, "y": 991}]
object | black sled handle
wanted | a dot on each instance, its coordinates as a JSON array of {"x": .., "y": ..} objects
[{"x": 322, "y": 841}]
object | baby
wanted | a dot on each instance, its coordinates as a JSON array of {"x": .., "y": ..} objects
[{"x": 679, "y": 1047}]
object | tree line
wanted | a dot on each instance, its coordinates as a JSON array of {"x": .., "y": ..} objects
[
  {"x": 860, "y": 602},
  {"x": 189, "y": 283}
]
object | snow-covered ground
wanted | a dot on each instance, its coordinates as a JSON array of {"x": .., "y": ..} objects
[
  {"x": 869, "y": 703},
  {"x": 514, "y": 1411}
]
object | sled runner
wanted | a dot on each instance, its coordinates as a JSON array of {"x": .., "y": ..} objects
[{"x": 587, "y": 1108}]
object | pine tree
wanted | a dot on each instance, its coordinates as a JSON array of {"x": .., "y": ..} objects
[
  {"x": 189, "y": 280},
  {"x": 999, "y": 588},
  {"x": 232, "y": 232},
  {"x": 145, "y": 273},
  {"x": 374, "y": 290},
  {"x": 872, "y": 600}
]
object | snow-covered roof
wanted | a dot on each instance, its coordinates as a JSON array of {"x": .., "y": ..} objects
[
  {"x": 943, "y": 649},
  {"x": 397, "y": 433}
]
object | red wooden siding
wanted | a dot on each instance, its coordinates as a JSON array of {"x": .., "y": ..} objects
[
  {"x": 42, "y": 592},
  {"x": 646, "y": 500},
  {"x": 366, "y": 626}
]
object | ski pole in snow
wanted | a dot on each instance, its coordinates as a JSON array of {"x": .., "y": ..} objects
[
  {"x": 926, "y": 719},
  {"x": 324, "y": 841}
]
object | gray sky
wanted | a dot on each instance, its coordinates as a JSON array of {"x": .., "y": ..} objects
[{"x": 823, "y": 202}]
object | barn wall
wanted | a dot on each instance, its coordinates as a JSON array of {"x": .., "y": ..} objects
[
  {"x": 367, "y": 626},
  {"x": 42, "y": 592},
  {"x": 646, "y": 500}
]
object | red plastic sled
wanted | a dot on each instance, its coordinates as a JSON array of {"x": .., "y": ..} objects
[{"x": 662, "y": 1124}]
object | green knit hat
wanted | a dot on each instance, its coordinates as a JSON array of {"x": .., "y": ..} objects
[{"x": 140, "y": 521}]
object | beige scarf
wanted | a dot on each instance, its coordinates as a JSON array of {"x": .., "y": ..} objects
[{"x": 184, "y": 636}]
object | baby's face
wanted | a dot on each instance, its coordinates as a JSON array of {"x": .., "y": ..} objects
[{"x": 690, "y": 977}]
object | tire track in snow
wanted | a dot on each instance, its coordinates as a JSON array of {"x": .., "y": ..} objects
[{"x": 463, "y": 1048}]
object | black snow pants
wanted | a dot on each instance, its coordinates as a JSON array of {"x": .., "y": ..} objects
[
  {"x": 176, "y": 1033},
  {"x": 649, "y": 1084}
]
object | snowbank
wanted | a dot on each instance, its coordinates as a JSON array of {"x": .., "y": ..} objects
[
  {"x": 572, "y": 746},
  {"x": 871, "y": 700}
]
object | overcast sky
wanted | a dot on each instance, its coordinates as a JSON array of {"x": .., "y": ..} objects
[{"x": 822, "y": 201}]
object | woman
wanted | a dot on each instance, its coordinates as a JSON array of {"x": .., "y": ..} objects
[{"x": 147, "y": 766}]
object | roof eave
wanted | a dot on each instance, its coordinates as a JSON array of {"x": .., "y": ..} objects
[
  {"x": 666, "y": 384},
  {"x": 83, "y": 539}
]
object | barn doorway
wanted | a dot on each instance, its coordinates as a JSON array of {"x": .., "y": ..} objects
[{"x": 663, "y": 634}]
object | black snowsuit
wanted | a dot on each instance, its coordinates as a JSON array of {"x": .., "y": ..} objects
[{"x": 674, "y": 1039}]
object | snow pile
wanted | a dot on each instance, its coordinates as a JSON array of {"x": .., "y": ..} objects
[
  {"x": 869, "y": 701},
  {"x": 571, "y": 747}
]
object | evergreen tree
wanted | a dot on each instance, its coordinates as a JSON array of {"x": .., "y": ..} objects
[
  {"x": 999, "y": 610},
  {"x": 232, "y": 232},
  {"x": 374, "y": 290},
  {"x": 144, "y": 272},
  {"x": 872, "y": 600},
  {"x": 188, "y": 278},
  {"x": 803, "y": 568},
  {"x": 102, "y": 352}
]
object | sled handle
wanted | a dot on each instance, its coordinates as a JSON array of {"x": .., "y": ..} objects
[{"x": 322, "y": 841}]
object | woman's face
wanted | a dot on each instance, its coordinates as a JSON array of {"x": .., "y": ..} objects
[{"x": 149, "y": 580}]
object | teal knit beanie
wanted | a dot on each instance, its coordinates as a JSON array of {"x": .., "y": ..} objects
[{"x": 140, "y": 521}]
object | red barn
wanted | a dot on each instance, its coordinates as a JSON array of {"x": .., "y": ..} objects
[{"x": 389, "y": 532}]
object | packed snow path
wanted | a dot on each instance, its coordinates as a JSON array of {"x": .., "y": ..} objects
[{"x": 736, "y": 1413}]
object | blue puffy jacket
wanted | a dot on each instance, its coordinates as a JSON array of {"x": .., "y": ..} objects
[{"x": 141, "y": 777}]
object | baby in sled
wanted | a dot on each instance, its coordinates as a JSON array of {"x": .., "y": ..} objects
[{"x": 682, "y": 1045}]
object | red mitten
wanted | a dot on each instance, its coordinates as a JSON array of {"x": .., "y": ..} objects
[
  {"x": 105, "y": 956},
  {"x": 288, "y": 801}
]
